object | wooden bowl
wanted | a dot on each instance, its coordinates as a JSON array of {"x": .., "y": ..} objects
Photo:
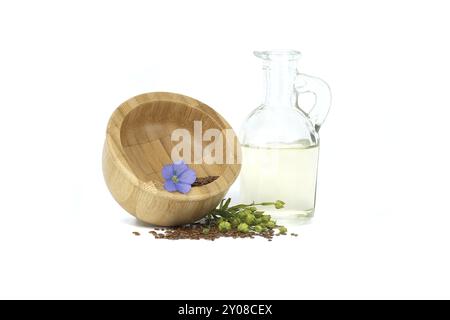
[{"x": 138, "y": 144}]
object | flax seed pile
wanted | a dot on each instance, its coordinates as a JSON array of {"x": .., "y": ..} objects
[{"x": 196, "y": 232}]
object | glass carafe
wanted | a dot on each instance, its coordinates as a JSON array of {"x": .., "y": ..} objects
[{"x": 280, "y": 141}]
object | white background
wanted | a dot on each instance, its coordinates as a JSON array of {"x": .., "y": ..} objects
[{"x": 383, "y": 215}]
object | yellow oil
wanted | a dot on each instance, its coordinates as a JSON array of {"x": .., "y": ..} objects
[{"x": 281, "y": 173}]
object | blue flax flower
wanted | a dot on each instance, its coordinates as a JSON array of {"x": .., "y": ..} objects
[{"x": 179, "y": 177}]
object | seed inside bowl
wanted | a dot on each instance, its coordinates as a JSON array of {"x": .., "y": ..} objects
[{"x": 204, "y": 181}]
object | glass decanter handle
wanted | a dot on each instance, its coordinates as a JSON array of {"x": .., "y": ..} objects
[{"x": 320, "y": 89}]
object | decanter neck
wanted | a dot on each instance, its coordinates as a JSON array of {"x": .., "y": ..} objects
[{"x": 280, "y": 73}]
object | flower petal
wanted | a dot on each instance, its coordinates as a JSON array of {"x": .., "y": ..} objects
[
  {"x": 168, "y": 172},
  {"x": 170, "y": 186},
  {"x": 183, "y": 187},
  {"x": 179, "y": 167},
  {"x": 187, "y": 177}
]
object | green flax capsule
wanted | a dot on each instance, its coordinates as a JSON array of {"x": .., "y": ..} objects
[{"x": 243, "y": 227}]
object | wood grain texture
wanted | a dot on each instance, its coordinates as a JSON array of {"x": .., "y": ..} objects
[{"x": 137, "y": 146}]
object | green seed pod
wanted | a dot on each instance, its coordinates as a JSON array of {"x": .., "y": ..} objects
[
  {"x": 224, "y": 226},
  {"x": 242, "y": 214},
  {"x": 243, "y": 227},
  {"x": 282, "y": 230},
  {"x": 235, "y": 222},
  {"x": 279, "y": 204},
  {"x": 258, "y": 221},
  {"x": 258, "y": 229},
  {"x": 258, "y": 213},
  {"x": 270, "y": 225},
  {"x": 250, "y": 219},
  {"x": 266, "y": 218}
]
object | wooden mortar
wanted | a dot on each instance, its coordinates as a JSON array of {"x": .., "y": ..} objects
[{"x": 138, "y": 144}]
